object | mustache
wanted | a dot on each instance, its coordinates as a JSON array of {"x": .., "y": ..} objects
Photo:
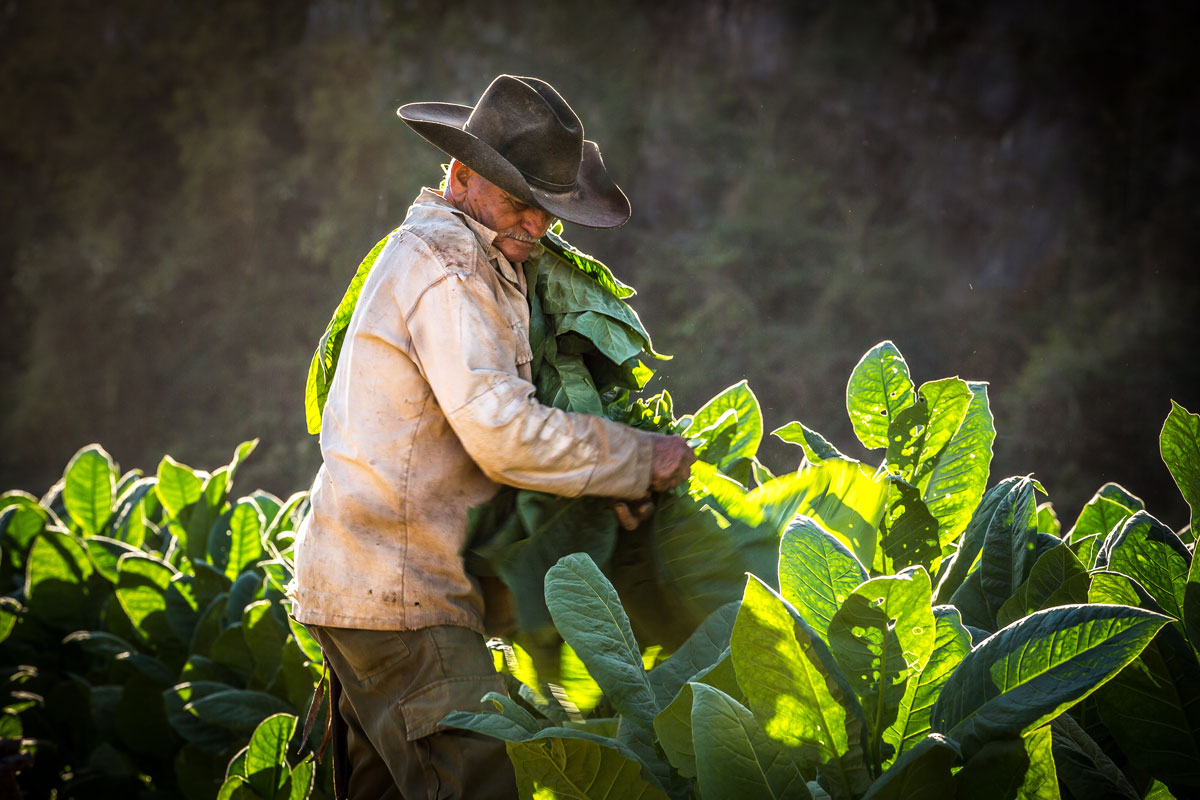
[{"x": 521, "y": 237}]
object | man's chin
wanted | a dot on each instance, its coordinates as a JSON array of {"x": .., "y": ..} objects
[{"x": 514, "y": 250}]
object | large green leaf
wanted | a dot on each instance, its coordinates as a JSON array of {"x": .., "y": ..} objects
[
  {"x": 565, "y": 289},
  {"x": 1109, "y": 507},
  {"x": 588, "y": 614},
  {"x": 245, "y": 538},
  {"x": 970, "y": 544},
  {"x": 1009, "y": 546},
  {"x": 265, "y": 637},
  {"x": 178, "y": 486},
  {"x": 845, "y": 497},
  {"x": 142, "y": 583},
  {"x": 1083, "y": 768},
  {"x": 919, "y": 433},
  {"x": 208, "y": 737},
  {"x": 1036, "y": 668},
  {"x": 951, "y": 645},
  {"x": 817, "y": 572},
  {"x": 879, "y": 389},
  {"x": 133, "y": 508},
  {"x": 21, "y": 519},
  {"x": 89, "y": 484},
  {"x": 577, "y": 384},
  {"x": 554, "y": 243},
  {"x": 796, "y": 690},
  {"x": 1152, "y": 708},
  {"x": 745, "y": 425},
  {"x": 1057, "y": 578},
  {"x": 882, "y": 636},
  {"x": 952, "y": 484},
  {"x": 578, "y": 769},
  {"x": 236, "y": 710},
  {"x": 909, "y": 531},
  {"x": 266, "y": 766},
  {"x": 1149, "y": 552},
  {"x": 816, "y": 447},
  {"x": 1041, "y": 778},
  {"x": 56, "y": 578},
  {"x": 179, "y": 489},
  {"x": 614, "y": 339},
  {"x": 324, "y": 360},
  {"x": 702, "y": 559},
  {"x": 1179, "y": 444},
  {"x": 202, "y": 515},
  {"x": 733, "y": 756},
  {"x": 673, "y": 725}
]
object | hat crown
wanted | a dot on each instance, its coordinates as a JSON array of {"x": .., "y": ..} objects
[{"x": 528, "y": 123}]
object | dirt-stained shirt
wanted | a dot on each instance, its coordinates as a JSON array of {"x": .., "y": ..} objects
[{"x": 430, "y": 409}]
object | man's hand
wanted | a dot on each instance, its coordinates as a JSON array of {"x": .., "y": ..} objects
[
  {"x": 672, "y": 462},
  {"x": 671, "y": 466},
  {"x": 632, "y": 513}
]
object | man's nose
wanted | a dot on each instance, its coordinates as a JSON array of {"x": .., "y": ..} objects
[{"x": 536, "y": 222}]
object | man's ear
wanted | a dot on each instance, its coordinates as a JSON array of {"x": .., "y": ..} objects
[{"x": 460, "y": 176}]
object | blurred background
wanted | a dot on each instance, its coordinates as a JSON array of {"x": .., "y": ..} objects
[{"x": 1008, "y": 190}]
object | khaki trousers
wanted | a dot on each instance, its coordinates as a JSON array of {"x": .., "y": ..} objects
[{"x": 396, "y": 688}]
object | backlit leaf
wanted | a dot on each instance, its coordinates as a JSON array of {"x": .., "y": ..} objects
[
  {"x": 795, "y": 688},
  {"x": 56, "y": 580},
  {"x": 1025, "y": 675},
  {"x": 817, "y": 572},
  {"x": 745, "y": 423},
  {"x": 89, "y": 484},
  {"x": 733, "y": 757},
  {"x": 879, "y": 388},
  {"x": 951, "y": 645},
  {"x": 1179, "y": 444}
]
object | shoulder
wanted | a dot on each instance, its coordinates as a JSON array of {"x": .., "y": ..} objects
[{"x": 440, "y": 235}]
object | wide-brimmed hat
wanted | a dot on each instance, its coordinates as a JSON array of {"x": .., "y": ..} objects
[{"x": 523, "y": 137}]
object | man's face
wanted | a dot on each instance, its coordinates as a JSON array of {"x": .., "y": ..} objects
[{"x": 517, "y": 224}]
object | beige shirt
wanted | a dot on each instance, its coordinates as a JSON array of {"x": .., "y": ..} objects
[{"x": 431, "y": 407}]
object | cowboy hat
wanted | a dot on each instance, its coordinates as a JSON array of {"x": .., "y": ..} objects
[{"x": 523, "y": 137}]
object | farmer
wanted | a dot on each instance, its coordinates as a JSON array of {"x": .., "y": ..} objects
[{"x": 430, "y": 410}]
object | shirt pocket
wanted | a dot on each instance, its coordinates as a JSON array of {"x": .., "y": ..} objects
[{"x": 523, "y": 350}]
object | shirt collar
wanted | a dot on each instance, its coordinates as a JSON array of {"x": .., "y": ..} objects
[{"x": 486, "y": 236}]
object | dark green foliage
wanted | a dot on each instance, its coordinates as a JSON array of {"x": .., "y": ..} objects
[{"x": 145, "y": 637}]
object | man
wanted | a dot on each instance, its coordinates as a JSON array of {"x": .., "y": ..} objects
[{"x": 430, "y": 409}]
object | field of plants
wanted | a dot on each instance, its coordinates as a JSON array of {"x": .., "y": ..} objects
[{"x": 908, "y": 628}]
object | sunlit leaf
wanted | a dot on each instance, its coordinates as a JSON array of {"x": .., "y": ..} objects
[
  {"x": 1179, "y": 443},
  {"x": 879, "y": 388},
  {"x": 1028, "y": 673},
  {"x": 89, "y": 484},
  {"x": 733, "y": 757}
]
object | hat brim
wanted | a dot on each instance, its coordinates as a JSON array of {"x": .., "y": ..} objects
[{"x": 595, "y": 202}]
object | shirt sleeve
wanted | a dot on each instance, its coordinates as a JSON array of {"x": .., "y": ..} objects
[{"x": 468, "y": 352}]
